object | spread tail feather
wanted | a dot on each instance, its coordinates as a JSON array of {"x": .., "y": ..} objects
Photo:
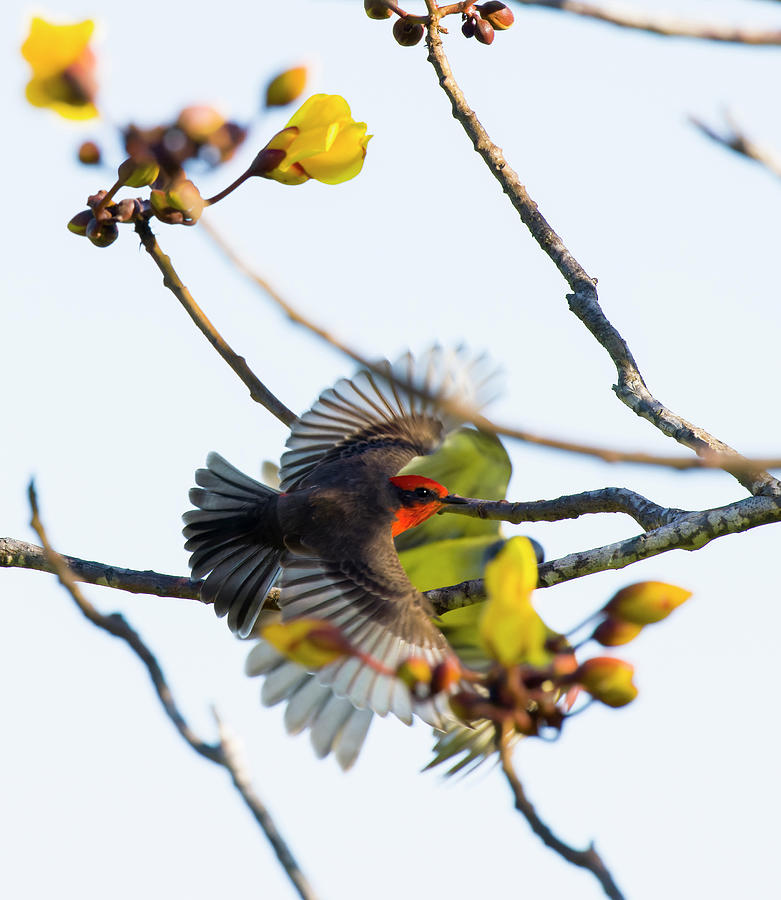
[{"x": 232, "y": 538}]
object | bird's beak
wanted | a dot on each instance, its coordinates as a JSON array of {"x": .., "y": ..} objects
[{"x": 454, "y": 500}]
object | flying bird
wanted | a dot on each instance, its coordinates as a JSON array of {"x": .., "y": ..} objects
[{"x": 330, "y": 531}]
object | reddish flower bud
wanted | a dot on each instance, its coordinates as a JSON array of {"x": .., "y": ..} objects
[
  {"x": 608, "y": 680},
  {"x": 78, "y": 224},
  {"x": 445, "y": 674},
  {"x": 199, "y": 123},
  {"x": 286, "y": 87},
  {"x": 376, "y": 10},
  {"x": 615, "y": 632},
  {"x": 126, "y": 209},
  {"x": 466, "y": 705},
  {"x": 89, "y": 154},
  {"x": 102, "y": 234},
  {"x": 646, "y": 602},
  {"x": 484, "y": 31},
  {"x": 416, "y": 673},
  {"x": 407, "y": 33},
  {"x": 497, "y": 14}
]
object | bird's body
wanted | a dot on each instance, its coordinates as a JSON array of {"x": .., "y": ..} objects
[{"x": 331, "y": 531}]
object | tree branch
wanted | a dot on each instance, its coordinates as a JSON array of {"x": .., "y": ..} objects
[
  {"x": 688, "y": 531},
  {"x": 631, "y": 388},
  {"x": 735, "y": 139},
  {"x": 223, "y": 753},
  {"x": 662, "y": 24},
  {"x": 587, "y": 859},
  {"x": 684, "y": 531},
  {"x": 611, "y": 499},
  {"x": 708, "y": 459},
  {"x": 258, "y": 391}
]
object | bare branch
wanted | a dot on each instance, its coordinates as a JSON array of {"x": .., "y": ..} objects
[
  {"x": 662, "y": 24},
  {"x": 222, "y": 753},
  {"x": 22, "y": 555},
  {"x": 682, "y": 531},
  {"x": 736, "y": 139},
  {"x": 612, "y": 499},
  {"x": 586, "y": 859},
  {"x": 708, "y": 459},
  {"x": 688, "y": 531},
  {"x": 584, "y": 303},
  {"x": 258, "y": 391}
]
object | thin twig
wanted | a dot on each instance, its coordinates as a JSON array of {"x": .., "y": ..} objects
[
  {"x": 737, "y": 140},
  {"x": 258, "y": 391},
  {"x": 222, "y": 753},
  {"x": 662, "y": 24},
  {"x": 708, "y": 459},
  {"x": 584, "y": 303},
  {"x": 587, "y": 859}
]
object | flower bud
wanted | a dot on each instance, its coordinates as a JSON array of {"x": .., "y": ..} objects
[
  {"x": 407, "y": 33},
  {"x": 286, "y": 87},
  {"x": 102, "y": 234},
  {"x": 646, "y": 602},
  {"x": 78, "y": 224},
  {"x": 89, "y": 154},
  {"x": 445, "y": 675},
  {"x": 186, "y": 197},
  {"x": 469, "y": 26},
  {"x": 311, "y": 643},
  {"x": 199, "y": 123},
  {"x": 615, "y": 632},
  {"x": 484, "y": 31},
  {"x": 376, "y": 10},
  {"x": 138, "y": 172},
  {"x": 467, "y": 705},
  {"x": 126, "y": 209},
  {"x": 497, "y": 14},
  {"x": 416, "y": 673},
  {"x": 608, "y": 680}
]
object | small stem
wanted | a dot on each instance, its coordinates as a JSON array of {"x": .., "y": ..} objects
[
  {"x": 229, "y": 189},
  {"x": 258, "y": 391},
  {"x": 586, "y": 859},
  {"x": 109, "y": 196}
]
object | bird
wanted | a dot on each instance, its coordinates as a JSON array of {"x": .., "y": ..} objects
[{"x": 329, "y": 531}]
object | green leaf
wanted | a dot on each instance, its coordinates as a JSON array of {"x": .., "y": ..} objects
[{"x": 468, "y": 463}]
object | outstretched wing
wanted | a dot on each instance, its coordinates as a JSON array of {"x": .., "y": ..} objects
[
  {"x": 397, "y": 410},
  {"x": 378, "y": 610}
]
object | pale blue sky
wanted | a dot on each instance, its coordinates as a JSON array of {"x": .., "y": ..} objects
[{"x": 113, "y": 399}]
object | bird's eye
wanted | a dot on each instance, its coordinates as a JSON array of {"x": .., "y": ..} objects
[{"x": 423, "y": 493}]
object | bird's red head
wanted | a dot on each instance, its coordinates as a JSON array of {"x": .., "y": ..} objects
[{"x": 419, "y": 499}]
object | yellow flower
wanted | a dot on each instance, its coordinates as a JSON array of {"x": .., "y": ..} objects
[
  {"x": 63, "y": 65},
  {"x": 321, "y": 141},
  {"x": 510, "y": 628}
]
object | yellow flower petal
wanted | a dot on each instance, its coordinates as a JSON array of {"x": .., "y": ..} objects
[
  {"x": 344, "y": 159},
  {"x": 53, "y": 93},
  {"x": 50, "y": 49},
  {"x": 321, "y": 110},
  {"x": 510, "y": 628}
]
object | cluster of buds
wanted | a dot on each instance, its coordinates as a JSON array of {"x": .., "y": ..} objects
[
  {"x": 482, "y": 20},
  {"x": 198, "y": 132},
  {"x": 479, "y": 20},
  {"x": 179, "y": 204},
  {"x": 628, "y": 612}
]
